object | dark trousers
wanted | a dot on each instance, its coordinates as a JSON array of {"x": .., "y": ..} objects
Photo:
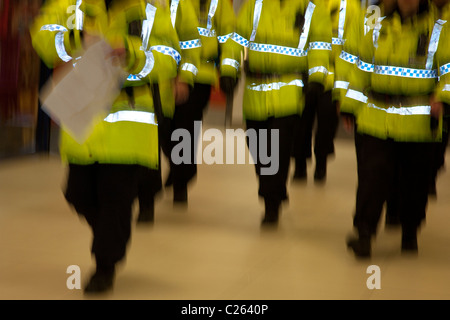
[
  {"x": 384, "y": 167},
  {"x": 184, "y": 117},
  {"x": 103, "y": 194},
  {"x": 273, "y": 187},
  {"x": 323, "y": 110}
]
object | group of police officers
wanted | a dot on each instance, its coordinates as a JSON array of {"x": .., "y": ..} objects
[{"x": 382, "y": 67}]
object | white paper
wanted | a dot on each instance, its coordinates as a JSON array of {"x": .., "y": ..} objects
[{"x": 86, "y": 93}]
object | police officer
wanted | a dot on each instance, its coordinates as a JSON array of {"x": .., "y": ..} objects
[
  {"x": 288, "y": 45},
  {"x": 104, "y": 170},
  {"x": 398, "y": 113}
]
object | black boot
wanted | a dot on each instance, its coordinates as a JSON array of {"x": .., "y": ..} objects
[
  {"x": 320, "y": 172},
  {"x": 180, "y": 194},
  {"x": 300, "y": 173},
  {"x": 101, "y": 281},
  {"x": 360, "y": 245},
  {"x": 272, "y": 211},
  {"x": 146, "y": 212},
  {"x": 409, "y": 241},
  {"x": 169, "y": 180}
]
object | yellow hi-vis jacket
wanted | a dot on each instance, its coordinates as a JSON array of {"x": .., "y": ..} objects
[
  {"x": 129, "y": 133},
  {"x": 216, "y": 24},
  {"x": 285, "y": 43},
  {"x": 342, "y": 13},
  {"x": 400, "y": 66}
]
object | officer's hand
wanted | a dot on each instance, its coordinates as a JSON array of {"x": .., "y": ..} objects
[
  {"x": 227, "y": 84},
  {"x": 435, "y": 112},
  {"x": 348, "y": 122},
  {"x": 181, "y": 91}
]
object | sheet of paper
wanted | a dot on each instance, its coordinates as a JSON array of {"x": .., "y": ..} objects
[{"x": 85, "y": 94}]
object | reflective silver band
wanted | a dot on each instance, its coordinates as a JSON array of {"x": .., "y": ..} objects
[
  {"x": 149, "y": 63},
  {"x": 275, "y": 85},
  {"x": 231, "y": 62},
  {"x": 434, "y": 41},
  {"x": 341, "y": 85},
  {"x": 147, "y": 25},
  {"x": 256, "y": 17},
  {"x": 342, "y": 12},
  {"x": 404, "y": 111},
  {"x": 189, "y": 67},
  {"x": 211, "y": 13},
  {"x": 320, "y": 69},
  {"x": 173, "y": 11},
  {"x": 356, "y": 95},
  {"x": 307, "y": 25},
  {"x": 132, "y": 116}
]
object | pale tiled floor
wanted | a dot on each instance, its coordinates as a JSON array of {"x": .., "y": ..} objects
[{"x": 215, "y": 249}]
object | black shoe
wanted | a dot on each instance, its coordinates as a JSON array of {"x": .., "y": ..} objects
[
  {"x": 361, "y": 246},
  {"x": 392, "y": 221},
  {"x": 271, "y": 213},
  {"x": 432, "y": 192},
  {"x": 180, "y": 195},
  {"x": 100, "y": 282},
  {"x": 409, "y": 244},
  {"x": 300, "y": 173},
  {"x": 146, "y": 216},
  {"x": 320, "y": 173}
]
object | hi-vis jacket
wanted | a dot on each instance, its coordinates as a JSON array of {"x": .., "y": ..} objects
[
  {"x": 345, "y": 15},
  {"x": 400, "y": 66},
  {"x": 216, "y": 24},
  {"x": 129, "y": 133},
  {"x": 286, "y": 43}
]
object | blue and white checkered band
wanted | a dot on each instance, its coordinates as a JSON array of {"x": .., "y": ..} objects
[
  {"x": 348, "y": 57},
  {"x": 191, "y": 44},
  {"x": 320, "y": 46},
  {"x": 364, "y": 66},
  {"x": 168, "y": 51},
  {"x": 223, "y": 39},
  {"x": 444, "y": 69},
  {"x": 54, "y": 27},
  {"x": 206, "y": 32},
  {"x": 405, "y": 72},
  {"x": 240, "y": 39},
  {"x": 278, "y": 49},
  {"x": 337, "y": 41}
]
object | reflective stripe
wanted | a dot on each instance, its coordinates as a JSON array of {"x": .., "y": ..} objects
[
  {"x": 79, "y": 16},
  {"x": 318, "y": 69},
  {"x": 223, "y": 39},
  {"x": 173, "y": 11},
  {"x": 59, "y": 40},
  {"x": 191, "y": 44},
  {"x": 341, "y": 85},
  {"x": 189, "y": 67},
  {"x": 256, "y": 17},
  {"x": 356, "y": 95},
  {"x": 274, "y": 85},
  {"x": 60, "y": 48},
  {"x": 348, "y": 57},
  {"x": 446, "y": 87},
  {"x": 434, "y": 41},
  {"x": 278, "y": 49},
  {"x": 404, "y": 111},
  {"x": 231, "y": 62},
  {"x": 168, "y": 51},
  {"x": 319, "y": 45},
  {"x": 337, "y": 41},
  {"x": 133, "y": 116},
  {"x": 306, "y": 26},
  {"x": 211, "y": 13},
  {"x": 149, "y": 63},
  {"x": 376, "y": 32},
  {"x": 342, "y": 12},
  {"x": 147, "y": 25},
  {"x": 444, "y": 69},
  {"x": 240, "y": 39},
  {"x": 405, "y": 72},
  {"x": 206, "y": 32},
  {"x": 364, "y": 66},
  {"x": 54, "y": 27}
]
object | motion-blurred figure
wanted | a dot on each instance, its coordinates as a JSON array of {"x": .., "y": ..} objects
[
  {"x": 395, "y": 95},
  {"x": 288, "y": 47},
  {"x": 104, "y": 171}
]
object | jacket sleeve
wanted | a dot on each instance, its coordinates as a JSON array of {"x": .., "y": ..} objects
[
  {"x": 186, "y": 23},
  {"x": 230, "y": 51},
  {"x": 319, "y": 50}
]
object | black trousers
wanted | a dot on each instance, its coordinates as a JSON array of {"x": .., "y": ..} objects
[
  {"x": 323, "y": 110},
  {"x": 386, "y": 167},
  {"x": 103, "y": 194},
  {"x": 273, "y": 187},
  {"x": 184, "y": 118}
]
